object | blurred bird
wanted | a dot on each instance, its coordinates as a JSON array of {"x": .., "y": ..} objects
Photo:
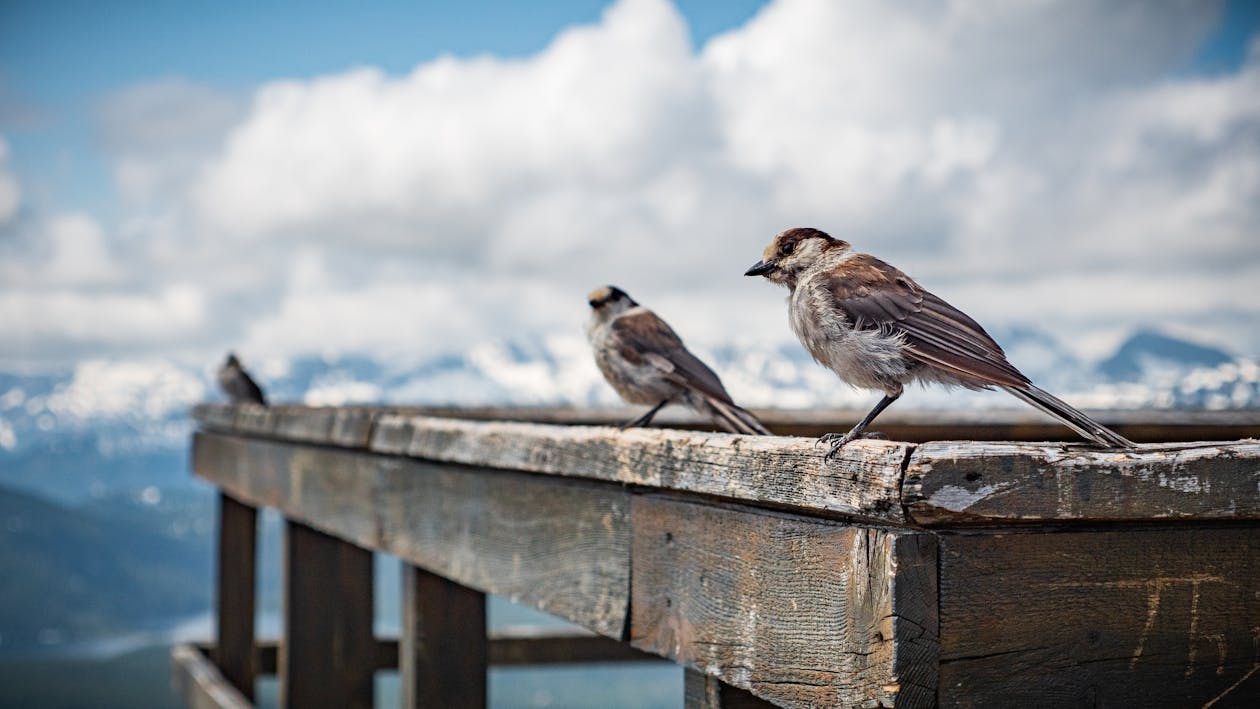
[
  {"x": 238, "y": 385},
  {"x": 877, "y": 329},
  {"x": 646, "y": 362}
]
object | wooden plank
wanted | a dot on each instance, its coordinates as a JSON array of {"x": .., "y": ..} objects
[
  {"x": 700, "y": 691},
  {"x": 235, "y": 592},
  {"x": 562, "y": 546},
  {"x": 329, "y": 651},
  {"x": 962, "y": 483},
  {"x": 1127, "y": 617},
  {"x": 331, "y": 490},
  {"x": 863, "y": 482},
  {"x": 443, "y": 651},
  {"x": 200, "y": 684},
  {"x": 799, "y": 612},
  {"x": 899, "y": 424},
  {"x": 352, "y": 426}
]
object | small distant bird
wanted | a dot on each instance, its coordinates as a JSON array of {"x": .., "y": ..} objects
[
  {"x": 646, "y": 362},
  {"x": 877, "y": 329},
  {"x": 238, "y": 385}
]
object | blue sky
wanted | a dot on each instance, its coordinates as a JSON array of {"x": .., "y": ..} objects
[
  {"x": 58, "y": 58},
  {"x": 283, "y": 177}
]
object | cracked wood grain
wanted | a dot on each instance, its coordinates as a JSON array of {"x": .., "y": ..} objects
[
  {"x": 1132, "y": 617},
  {"x": 801, "y": 613}
]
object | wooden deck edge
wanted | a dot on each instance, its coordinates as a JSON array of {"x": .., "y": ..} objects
[{"x": 200, "y": 683}]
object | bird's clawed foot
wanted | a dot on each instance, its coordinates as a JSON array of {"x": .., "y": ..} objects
[{"x": 836, "y": 441}]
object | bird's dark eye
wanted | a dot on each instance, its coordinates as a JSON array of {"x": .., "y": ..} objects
[{"x": 786, "y": 248}]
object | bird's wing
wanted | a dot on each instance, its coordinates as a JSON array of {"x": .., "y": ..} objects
[
  {"x": 644, "y": 337},
  {"x": 253, "y": 391},
  {"x": 877, "y": 296}
]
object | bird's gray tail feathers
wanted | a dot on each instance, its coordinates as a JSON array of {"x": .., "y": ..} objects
[
  {"x": 1074, "y": 419},
  {"x": 734, "y": 419}
]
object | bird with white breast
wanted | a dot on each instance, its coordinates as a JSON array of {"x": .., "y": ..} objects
[
  {"x": 877, "y": 329},
  {"x": 646, "y": 362}
]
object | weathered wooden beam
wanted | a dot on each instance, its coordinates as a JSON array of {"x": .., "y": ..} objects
[
  {"x": 802, "y": 613},
  {"x": 1008, "y": 424},
  {"x": 329, "y": 651},
  {"x": 964, "y": 483},
  {"x": 701, "y": 691},
  {"x": 862, "y": 482},
  {"x": 443, "y": 653},
  {"x": 562, "y": 546},
  {"x": 235, "y": 591},
  {"x": 1130, "y": 617},
  {"x": 200, "y": 683}
]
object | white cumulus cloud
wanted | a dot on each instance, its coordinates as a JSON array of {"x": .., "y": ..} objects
[{"x": 1047, "y": 162}]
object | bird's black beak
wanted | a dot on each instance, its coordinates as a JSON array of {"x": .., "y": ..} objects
[{"x": 761, "y": 268}]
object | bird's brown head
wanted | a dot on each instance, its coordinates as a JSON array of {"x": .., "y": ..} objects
[
  {"x": 607, "y": 301},
  {"x": 232, "y": 361},
  {"x": 793, "y": 251}
]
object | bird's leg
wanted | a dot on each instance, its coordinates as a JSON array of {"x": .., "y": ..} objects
[
  {"x": 645, "y": 419},
  {"x": 840, "y": 440}
]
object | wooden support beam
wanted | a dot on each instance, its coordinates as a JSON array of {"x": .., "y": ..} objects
[
  {"x": 443, "y": 650},
  {"x": 511, "y": 647},
  {"x": 701, "y": 691},
  {"x": 329, "y": 651},
  {"x": 235, "y": 592}
]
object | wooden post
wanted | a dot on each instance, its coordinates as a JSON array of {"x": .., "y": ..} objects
[
  {"x": 443, "y": 653},
  {"x": 701, "y": 691},
  {"x": 329, "y": 652},
  {"x": 234, "y": 593}
]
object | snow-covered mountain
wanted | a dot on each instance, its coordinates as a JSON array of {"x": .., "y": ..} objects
[{"x": 115, "y": 422}]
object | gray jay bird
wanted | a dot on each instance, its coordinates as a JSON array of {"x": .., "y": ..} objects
[
  {"x": 646, "y": 362},
  {"x": 238, "y": 385},
  {"x": 877, "y": 329}
]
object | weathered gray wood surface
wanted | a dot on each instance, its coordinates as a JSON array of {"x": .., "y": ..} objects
[
  {"x": 1131, "y": 617},
  {"x": 899, "y": 424},
  {"x": 801, "y": 613},
  {"x": 861, "y": 483},
  {"x": 962, "y": 483},
  {"x": 562, "y": 548},
  {"x": 200, "y": 683},
  {"x": 944, "y": 482}
]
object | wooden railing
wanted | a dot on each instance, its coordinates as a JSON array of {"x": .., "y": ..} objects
[{"x": 899, "y": 574}]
